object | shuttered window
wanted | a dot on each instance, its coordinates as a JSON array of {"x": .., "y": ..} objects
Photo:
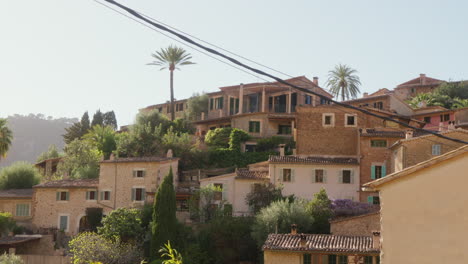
[
  {"x": 91, "y": 195},
  {"x": 436, "y": 149},
  {"x": 62, "y": 196},
  {"x": 105, "y": 195},
  {"x": 254, "y": 126},
  {"x": 138, "y": 194},
  {"x": 63, "y": 224},
  {"x": 22, "y": 210},
  {"x": 307, "y": 259}
]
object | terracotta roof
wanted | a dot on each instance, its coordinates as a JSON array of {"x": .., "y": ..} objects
[
  {"x": 321, "y": 243},
  {"x": 16, "y": 193},
  {"x": 425, "y": 136},
  {"x": 70, "y": 183},
  {"x": 373, "y": 185},
  {"x": 381, "y": 91},
  {"x": 138, "y": 159},
  {"x": 370, "y": 132},
  {"x": 312, "y": 160},
  {"x": 46, "y": 160},
  {"x": 254, "y": 175},
  {"x": 5, "y": 241},
  {"x": 418, "y": 81}
]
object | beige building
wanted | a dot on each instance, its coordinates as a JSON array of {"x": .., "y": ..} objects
[
  {"x": 413, "y": 150},
  {"x": 423, "y": 211},
  {"x": 17, "y": 202}
]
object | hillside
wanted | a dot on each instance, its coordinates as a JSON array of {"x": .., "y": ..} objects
[{"x": 32, "y": 134}]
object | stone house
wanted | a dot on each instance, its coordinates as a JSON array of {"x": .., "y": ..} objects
[
  {"x": 360, "y": 225},
  {"x": 413, "y": 150},
  {"x": 385, "y": 100},
  {"x": 48, "y": 167},
  {"x": 418, "y": 226},
  {"x": 18, "y": 202},
  {"x": 122, "y": 182},
  {"x": 180, "y": 106},
  {"x": 421, "y": 84}
]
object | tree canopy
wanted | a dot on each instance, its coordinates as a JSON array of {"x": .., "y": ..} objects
[
  {"x": 6, "y": 136},
  {"x": 20, "y": 175},
  {"x": 343, "y": 81},
  {"x": 123, "y": 223}
]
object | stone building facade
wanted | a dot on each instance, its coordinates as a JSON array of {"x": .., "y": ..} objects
[{"x": 361, "y": 225}]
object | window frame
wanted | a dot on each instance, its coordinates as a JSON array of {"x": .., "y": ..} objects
[
  {"x": 28, "y": 213},
  {"x": 436, "y": 149},
  {"x": 307, "y": 258},
  {"x": 60, "y": 195},
  {"x": 283, "y": 174},
  {"x": 427, "y": 119},
  {"x": 88, "y": 195},
  {"x": 354, "y": 118},
  {"x": 373, "y": 141},
  {"x": 142, "y": 194},
  {"x": 350, "y": 176},
  {"x": 136, "y": 173},
  {"x": 102, "y": 195},
  {"x": 60, "y": 221},
  {"x": 287, "y": 128},
  {"x": 315, "y": 176},
  {"x": 332, "y": 119},
  {"x": 252, "y": 129}
]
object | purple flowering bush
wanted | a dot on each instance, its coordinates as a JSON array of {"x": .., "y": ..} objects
[{"x": 345, "y": 207}]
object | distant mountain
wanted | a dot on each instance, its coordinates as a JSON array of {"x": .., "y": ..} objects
[{"x": 32, "y": 135}]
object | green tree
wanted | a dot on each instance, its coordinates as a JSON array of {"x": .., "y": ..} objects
[
  {"x": 262, "y": 195},
  {"x": 77, "y": 130},
  {"x": 88, "y": 247},
  {"x": 81, "y": 160},
  {"x": 171, "y": 58},
  {"x": 218, "y": 137},
  {"x": 85, "y": 124},
  {"x": 164, "y": 226},
  {"x": 196, "y": 105},
  {"x": 460, "y": 103},
  {"x": 20, "y": 175},
  {"x": 321, "y": 211},
  {"x": 180, "y": 144},
  {"x": 98, "y": 118},
  {"x": 6, "y": 136},
  {"x": 52, "y": 152},
  {"x": 123, "y": 223},
  {"x": 103, "y": 138},
  {"x": 236, "y": 137},
  {"x": 343, "y": 81},
  {"x": 278, "y": 218},
  {"x": 109, "y": 119},
  {"x": 200, "y": 203},
  {"x": 454, "y": 89}
]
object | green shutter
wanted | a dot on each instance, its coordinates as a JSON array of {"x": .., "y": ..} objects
[
  {"x": 340, "y": 176},
  {"x": 57, "y": 196},
  {"x": 102, "y": 196},
  {"x": 143, "y": 194},
  {"x": 373, "y": 172},
  {"x": 351, "y": 174},
  {"x": 133, "y": 194},
  {"x": 281, "y": 174},
  {"x": 370, "y": 199},
  {"x": 225, "y": 192},
  {"x": 134, "y": 173},
  {"x": 67, "y": 196},
  {"x": 384, "y": 170},
  {"x": 221, "y": 102},
  {"x": 324, "y": 176},
  {"x": 87, "y": 195},
  {"x": 312, "y": 178}
]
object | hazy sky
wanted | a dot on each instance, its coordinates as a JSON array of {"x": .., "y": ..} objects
[{"x": 62, "y": 57}]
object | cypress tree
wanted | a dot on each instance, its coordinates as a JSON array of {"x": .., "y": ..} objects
[
  {"x": 85, "y": 125},
  {"x": 98, "y": 118},
  {"x": 110, "y": 120},
  {"x": 164, "y": 225}
]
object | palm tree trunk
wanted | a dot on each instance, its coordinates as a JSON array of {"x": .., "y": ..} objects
[{"x": 172, "y": 96}]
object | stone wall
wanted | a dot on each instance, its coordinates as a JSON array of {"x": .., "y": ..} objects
[{"x": 356, "y": 226}]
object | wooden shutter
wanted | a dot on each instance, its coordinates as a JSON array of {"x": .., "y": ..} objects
[
  {"x": 225, "y": 192},
  {"x": 293, "y": 175},
  {"x": 63, "y": 222},
  {"x": 67, "y": 196},
  {"x": 57, "y": 196},
  {"x": 384, "y": 170},
  {"x": 102, "y": 195},
  {"x": 221, "y": 102},
  {"x": 370, "y": 199},
  {"x": 144, "y": 173},
  {"x": 134, "y": 173},
  {"x": 87, "y": 195},
  {"x": 340, "y": 176},
  {"x": 373, "y": 172},
  {"x": 133, "y": 194},
  {"x": 351, "y": 175},
  {"x": 312, "y": 176},
  {"x": 281, "y": 174},
  {"x": 143, "y": 194},
  {"x": 324, "y": 176}
]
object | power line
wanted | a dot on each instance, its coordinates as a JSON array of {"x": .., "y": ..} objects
[
  {"x": 181, "y": 42},
  {"x": 260, "y": 72}
]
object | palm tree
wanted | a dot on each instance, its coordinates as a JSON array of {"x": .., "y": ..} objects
[
  {"x": 5, "y": 137},
  {"x": 342, "y": 80},
  {"x": 170, "y": 58}
]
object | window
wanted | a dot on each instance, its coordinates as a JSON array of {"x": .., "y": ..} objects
[
  {"x": 63, "y": 222},
  {"x": 318, "y": 176},
  {"x": 22, "y": 210},
  {"x": 378, "y": 171},
  {"x": 378, "y": 143},
  {"x": 444, "y": 118},
  {"x": 218, "y": 196},
  {"x": 284, "y": 130},
  {"x": 346, "y": 176},
  {"x": 307, "y": 259},
  {"x": 233, "y": 106},
  {"x": 328, "y": 120},
  {"x": 216, "y": 103},
  {"x": 250, "y": 147},
  {"x": 368, "y": 260},
  {"x": 105, "y": 195},
  {"x": 211, "y": 103},
  {"x": 350, "y": 120},
  {"x": 378, "y": 105},
  {"x": 254, "y": 126},
  {"x": 91, "y": 195},
  {"x": 62, "y": 196},
  {"x": 342, "y": 259},
  {"x": 332, "y": 259},
  {"x": 179, "y": 107},
  {"x": 373, "y": 199},
  {"x": 160, "y": 109},
  {"x": 436, "y": 149},
  {"x": 139, "y": 173},
  {"x": 308, "y": 100},
  {"x": 286, "y": 175},
  {"x": 427, "y": 119},
  {"x": 138, "y": 194},
  {"x": 324, "y": 101}
]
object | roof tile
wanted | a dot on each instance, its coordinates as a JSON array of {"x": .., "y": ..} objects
[
  {"x": 70, "y": 183},
  {"x": 312, "y": 160}
]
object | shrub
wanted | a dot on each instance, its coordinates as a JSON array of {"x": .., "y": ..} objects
[
  {"x": 91, "y": 247},
  {"x": 320, "y": 209},
  {"x": 236, "y": 137},
  {"x": 262, "y": 195},
  {"x": 122, "y": 223},
  {"x": 10, "y": 259},
  {"x": 218, "y": 137},
  {"x": 20, "y": 175},
  {"x": 345, "y": 207}
]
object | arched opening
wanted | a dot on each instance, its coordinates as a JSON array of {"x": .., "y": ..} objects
[{"x": 84, "y": 224}]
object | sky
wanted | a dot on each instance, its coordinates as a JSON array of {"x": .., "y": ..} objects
[{"x": 62, "y": 58}]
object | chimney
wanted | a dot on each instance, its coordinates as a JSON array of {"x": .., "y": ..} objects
[
  {"x": 303, "y": 242},
  {"x": 281, "y": 149},
  {"x": 315, "y": 80},
  {"x": 422, "y": 76},
  {"x": 169, "y": 154},
  {"x": 409, "y": 134},
  {"x": 293, "y": 229},
  {"x": 366, "y": 95},
  {"x": 376, "y": 239}
]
